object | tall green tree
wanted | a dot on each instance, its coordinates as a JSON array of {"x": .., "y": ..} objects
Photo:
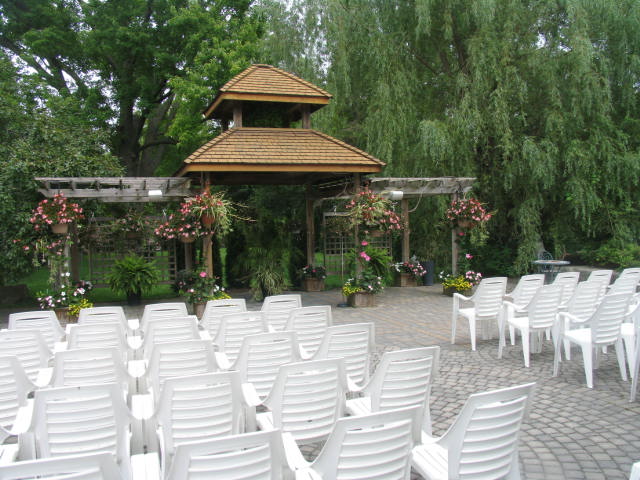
[
  {"x": 537, "y": 99},
  {"x": 143, "y": 70}
]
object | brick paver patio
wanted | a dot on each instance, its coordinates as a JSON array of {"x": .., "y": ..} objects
[{"x": 573, "y": 432}]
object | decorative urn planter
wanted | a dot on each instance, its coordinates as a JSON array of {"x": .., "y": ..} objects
[
  {"x": 361, "y": 299},
  {"x": 64, "y": 317},
  {"x": 60, "y": 228},
  {"x": 405, "y": 280},
  {"x": 198, "y": 309},
  {"x": 311, "y": 284}
]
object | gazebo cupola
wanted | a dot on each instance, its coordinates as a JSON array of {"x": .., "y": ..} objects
[{"x": 263, "y": 89}]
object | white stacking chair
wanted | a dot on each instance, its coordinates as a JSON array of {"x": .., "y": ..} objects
[
  {"x": 629, "y": 332},
  {"x": 601, "y": 329},
  {"x": 635, "y": 471},
  {"x": 376, "y": 446},
  {"x": 169, "y": 330},
  {"x": 354, "y": 342},
  {"x": 198, "y": 408},
  {"x": 83, "y": 420},
  {"x": 402, "y": 379},
  {"x": 97, "y": 466},
  {"x": 540, "y": 317},
  {"x": 626, "y": 284},
  {"x": 525, "y": 289},
  {"x": 310, "y": 325},
  {"x": 636, "y": 367},
  {"x": 306, "y": 399},
  {"x": 487, "y": 304},
  {"x": 178, "y": 359},
  {"x": 254, "y": 455},
  {"x": 215, "y": 309},
  {"x": 234, "y": 327},
  {"x": 261, "y": 356},
  {"x": 15, "y": 407},
  {"x": 108, "y": 314},
  {"x": 569, "y": 282},
  {"x": 45, "y": 321},
  {"x": 31, "y": 350},
  {"x": 600, "y": 276},
  {"x": 155, "y": 311},
  {"x": 483, "y": 440},
  {"x": 110, "y": 334},
  {"x": 87, "y": 366},
  {"x": 276, "y": 309},
  {"x": 578, "y": 310}
]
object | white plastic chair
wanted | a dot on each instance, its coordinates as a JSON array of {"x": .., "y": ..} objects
[
  {"x": 261, "y": 356},
  {"x": 108, "y": 314},
  {"x": 198, "y": 408},
  {"x": 601, "y": 329},
  {"x": 540, "y": 317},
  {"x": 169, "y": 330},
  {"x": 483, "y": 440},
  {"x": 15, "y": 387},
  {"x": 354, "y": 342},
  {"x": 45, "y": 321},
  {"x": 215, "y": 309},
  {"x": 569, "y": 282},
  {"x": 601, "y": 275},
  {"x": 580, "y": 307},
  {"x": 92, "y": 335},
  {"x": 402, "y": 379},
  {"x": 635, "y": 471},
  {"x": 258, "y": 455},
  {"x": 155, "y": 311},
  {"x": 629, "y": 332},
  {"x": 627, "y": 284},
  {"x": 306, "y": 399},
  {"x": 29, "y": 347},
  {"x": 83, "y": 420},
  {"x": 87, "y": 366},
  {"x": 276, "y": 309},
  {"x": 234, "y": 327},
  {"x": 487, "y": 303},
  {"x": 376, "y": 446},
  {"x": 310, "y": 324},
  {"x": 525, "y": 289},
  {"x": 97, "y": 466}
]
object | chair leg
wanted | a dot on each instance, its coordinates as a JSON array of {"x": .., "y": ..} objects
[
  {"x": 501, "y": 340},
  {"x": 629, "y": 347},
  {"x": 567, "y": 349},
  {"x": 621, "y": 362},
  {"x": 526, "y": 345},
  {"x": 512, "y": 335},
  {"x": 556, "y": 355},
  {"x": 454, "y": 319},
  {"x": 472, "y": 332},
  {"x": 587, "y": 356}
]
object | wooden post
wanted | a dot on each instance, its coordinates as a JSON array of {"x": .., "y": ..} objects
[
  {"x": 75, "y": 256},
  {"x": 306, "y": 116},
  {"x": 311, "y": 231},
  {"x": 406, "y": 232},
  {"x": 356, "y": 233},
  {"x": 454, "y": 244},
  {"x": 188, "y": 256},
  {"x": 207, "y": 244},
  {"x": 237, "y": 116}
]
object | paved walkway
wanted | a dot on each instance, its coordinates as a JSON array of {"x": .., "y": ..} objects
[{"x": 573, "y": 432}]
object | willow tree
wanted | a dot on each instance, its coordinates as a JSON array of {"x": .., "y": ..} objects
[{"x": 537, "y": 99}]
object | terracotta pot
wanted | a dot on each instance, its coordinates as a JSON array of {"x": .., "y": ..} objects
[
  {"x": 361, "y": 299},
  {"x": 60, "y": 228},
  {"x": 405, "y": 280},
  {"x": 198, "y": 309},
  {"x": 449, "y": 291},
  {"x": 207, "y": 220},
  {"x": 188, "y": 239},
  {"x": 313, "y": 284}
]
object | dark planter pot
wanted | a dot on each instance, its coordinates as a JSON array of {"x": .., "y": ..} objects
[
  {"x": 430, "y": 267},
  {"x": 134, "y": 299}
]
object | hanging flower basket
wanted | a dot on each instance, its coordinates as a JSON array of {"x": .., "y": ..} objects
[
  {"x": 60, "y": 228},
  {"x": 207, "y": 220},
  {"x": 466, "y": 224},
  {"x": 188, "y": 239},
  {"x": 55, "y": 211},
  {"x": 467, "y": 213}
]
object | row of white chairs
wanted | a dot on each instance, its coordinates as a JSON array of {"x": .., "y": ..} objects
[{"x": 591, "y": 314}]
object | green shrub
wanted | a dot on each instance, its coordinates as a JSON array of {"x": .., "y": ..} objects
[{"x": 615, "y": 256}]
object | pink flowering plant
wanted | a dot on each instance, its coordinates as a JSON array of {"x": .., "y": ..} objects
[
  {"x": 66, "y": 295},
  {"x": 199, "y": 287},
  {"x": 467, "y": 210},
  {"x": 413, "y": 268},
  {"x": 311, "y": 271},
  {"x": 55, "y": 210},
  {"x": 179, "y": 227},
  {"x": 212, "y": 209},
  {"x": 372, "y": 211}
]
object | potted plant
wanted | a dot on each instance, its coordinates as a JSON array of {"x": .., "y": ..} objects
[
  {"x": 408, "y": 274},
  {"x": 466, "y": 213},
  {"x": 313, "y": 278},
  {"x": 461, "y": 283},
  {"x": 179, "y": 227},
  {"x": 360, "y": 291},
  {"x": 133, "y": 275},
  {"x": 212, "y": 209},
  {"x": 373, "y": 212},
  {"x": 57, "y": 212},
  {"x": 198, "y": 288},
  {"x": 67, "y": 300}
]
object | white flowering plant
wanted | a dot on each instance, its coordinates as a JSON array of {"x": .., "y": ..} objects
[{"x": 65, "y": 296}]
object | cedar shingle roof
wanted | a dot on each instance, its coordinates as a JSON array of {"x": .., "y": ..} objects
[
  {"x": 278, "y": 150},
  {"x": 267, "y": 83}
]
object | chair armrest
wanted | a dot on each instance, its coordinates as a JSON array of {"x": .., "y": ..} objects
[
  {"x": 59, "y": 347},
  {"x": 353, "y": 387},
  {"x": 250, "y": 396},
  {"x": 461, "y": 297},
  {"x": 134, "y": 324},
  {"x": 205, "y": 335},
  {"x": 22, "y": 422},
  {"x": 222, "y": 360},
  {"x": 142, "y": 407},
  {"x": 304, "y": 355},
  {"x": 292, "y": 453},
  {"x": 145, "y": 466},
  {"x": 44, "y": 377},
  {"x": 570, "y": 317}
]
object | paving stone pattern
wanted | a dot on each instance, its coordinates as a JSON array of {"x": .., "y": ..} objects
[{"x": 572, "y": 432}]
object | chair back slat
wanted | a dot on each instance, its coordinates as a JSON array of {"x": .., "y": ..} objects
[
  {"x": 606, "y": 321},
  {"x": 526, "y": 288},
  {"x": 14, "y": 389},
  {"x": 488, "y": 297},
  {"x": 544, "y": 306},
  {"x": 214, "y": 310},
  {"x": 44, "y": 321},
  {"x": 276, "y": 309},
  {"x": 29, "y": 347},
  {"x": 354, "y": 343},
  {"x": 569, "y": 282},
  {"x": 310, "y": 325},
  {"x": 584, "y": 300},
  {"x": 234, "y": 327}
]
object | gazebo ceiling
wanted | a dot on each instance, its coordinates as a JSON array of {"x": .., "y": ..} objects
[
  {"x": 264, "y": 83},
  {"x": 277, "y": 156}
]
